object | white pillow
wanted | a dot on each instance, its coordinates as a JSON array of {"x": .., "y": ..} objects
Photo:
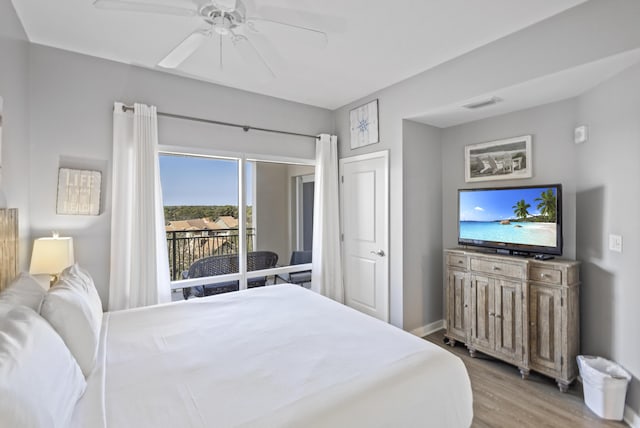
[
  {"x": 68, "y": 310},
  {"x": 40, "y": 381},
  {"x": 76, "y": 276},
  {"x": 24, "y": 290}
]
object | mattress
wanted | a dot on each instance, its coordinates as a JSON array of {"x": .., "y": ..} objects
[{"x": 277, "y": 356}]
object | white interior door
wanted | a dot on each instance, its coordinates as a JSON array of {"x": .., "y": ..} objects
[{"x": 365, "y": 232}]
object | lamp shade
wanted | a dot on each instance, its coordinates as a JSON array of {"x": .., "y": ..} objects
[{"x": 51, "y": 255}]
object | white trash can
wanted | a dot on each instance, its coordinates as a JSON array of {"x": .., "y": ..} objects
[{"x": 605, "y": 386}]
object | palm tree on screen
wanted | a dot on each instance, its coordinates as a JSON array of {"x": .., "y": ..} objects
[
  {"x": 547, "y": 205},
  {"x": 520, "y": 209}
]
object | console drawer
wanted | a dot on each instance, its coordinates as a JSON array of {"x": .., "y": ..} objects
[
  {"x": 456, "y": 260},
  {"x": 545, "y": 274},
  {"x": 498, "y": 268}
]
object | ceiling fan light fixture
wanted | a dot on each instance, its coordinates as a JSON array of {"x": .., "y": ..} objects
[{"x": 222, "y": 24}]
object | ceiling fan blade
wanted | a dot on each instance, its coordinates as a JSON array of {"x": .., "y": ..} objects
[
  {"x": 308, "y": 35},
  {"x": 251, "y": 56},
  {"x": 185, "y": 49},
  {"x": 225, "y": 5},
  {"x": 147, "y": 7},
  {"x": 268, "y": 50},
  {"x": 303, "y": 18}
]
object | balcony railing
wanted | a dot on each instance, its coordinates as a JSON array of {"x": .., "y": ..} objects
[{"x": 185, "y": 247}]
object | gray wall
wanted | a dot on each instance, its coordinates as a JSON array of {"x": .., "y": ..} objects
[
  {"x": 608, "y": 201},
  {"x": 61, "y": 114},
  {"x": 422, "y": 262},
  {"x": 601, "y": 185},
  {"x": 72, "y": 98},
  {"x": 272, "y": 209},
  {"x": 590, "y": 31},
  {"x": 553, "y": 153},
  {"x": 293, "y": 172},
  {"x": 14, "y": 89}
]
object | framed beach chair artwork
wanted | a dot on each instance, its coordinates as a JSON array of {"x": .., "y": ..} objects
[{"x": 506, "y": 159}]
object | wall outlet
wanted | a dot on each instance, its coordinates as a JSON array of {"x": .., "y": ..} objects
[{"x": 615, "y": 243}]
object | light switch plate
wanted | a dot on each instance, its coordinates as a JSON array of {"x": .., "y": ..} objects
[{"x": 615, "y": 243}]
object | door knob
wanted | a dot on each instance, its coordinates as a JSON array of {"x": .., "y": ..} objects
[{"x": 379, "y": 253}]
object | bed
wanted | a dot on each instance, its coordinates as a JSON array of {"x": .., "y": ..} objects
[{"x": 277, "y": 356}]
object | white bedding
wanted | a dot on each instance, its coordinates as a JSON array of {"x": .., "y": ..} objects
[{"x": 277, "y": 356}]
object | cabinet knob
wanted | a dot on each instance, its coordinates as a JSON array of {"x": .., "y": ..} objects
[
  {"x": 496, "y": 268},
  {"x": 491, "y": 314},
  {"x": 544, "y": 275},
  {"x": 498, "y": 316},
  {"x": 466, "y": 306},
  {"x": 460, "y": 262}
]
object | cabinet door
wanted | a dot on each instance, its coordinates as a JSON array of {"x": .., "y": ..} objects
[
  {"x": 508, "y": 319},
  {"x": 482, "y": 325},
  {"x": 545, "y": 327},
  {"x": 457, "y": 305}
]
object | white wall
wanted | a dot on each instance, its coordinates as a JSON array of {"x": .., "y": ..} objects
[
  {"x": 72, "y": 97},
  {"x": 608, "y": 202},
  {"x": 14, "y": 89},
  {"x": 422, "y": 261},
  {"x": 588, "y": 32}
]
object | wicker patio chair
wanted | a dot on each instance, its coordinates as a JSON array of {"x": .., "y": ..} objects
[
  {"x": 300, "y": 278},
  {"x": 226, "y": 264}
]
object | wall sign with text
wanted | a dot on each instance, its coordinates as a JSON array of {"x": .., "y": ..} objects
[{"x": 78, "y": 192}]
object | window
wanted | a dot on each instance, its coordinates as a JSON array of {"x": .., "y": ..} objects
[{"x": 206, "y": 233}]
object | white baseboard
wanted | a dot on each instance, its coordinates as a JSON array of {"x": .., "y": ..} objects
[
  {"x": 426, "y": 330},
  {"x": 631, "y": 418}
]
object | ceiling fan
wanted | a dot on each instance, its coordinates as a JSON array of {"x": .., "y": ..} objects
[{"x": 228, "y": 19}]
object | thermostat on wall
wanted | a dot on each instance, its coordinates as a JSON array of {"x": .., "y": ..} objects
[{"x": 580, "y": 134}]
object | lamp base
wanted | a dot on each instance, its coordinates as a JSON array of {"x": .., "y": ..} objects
[{"x": 52, "y": 280}]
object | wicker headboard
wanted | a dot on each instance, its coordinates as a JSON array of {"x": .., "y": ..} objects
[{"x": 8, "y": 246}]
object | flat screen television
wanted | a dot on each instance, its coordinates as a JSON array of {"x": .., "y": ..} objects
[{"x": 523, "y": 220}]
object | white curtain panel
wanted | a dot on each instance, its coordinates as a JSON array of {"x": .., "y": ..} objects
[
  {"x": 139, "y": 274},
  {"x": 326, "y": 277}
]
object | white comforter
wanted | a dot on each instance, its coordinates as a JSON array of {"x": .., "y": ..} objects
[{"x": 278, "y": 356}]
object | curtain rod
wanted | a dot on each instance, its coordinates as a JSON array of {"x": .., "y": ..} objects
[{"x": 246, "y": 128}]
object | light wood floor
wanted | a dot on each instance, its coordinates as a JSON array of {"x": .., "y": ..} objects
[{"x": 502, "y": 399}]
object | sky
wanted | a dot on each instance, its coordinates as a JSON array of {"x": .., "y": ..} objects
[
  {"x": 491, "y": 205},
  {"x": 190, "y": 180}
]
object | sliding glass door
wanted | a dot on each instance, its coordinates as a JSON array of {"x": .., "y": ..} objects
[{"x": 234, "y": 223}]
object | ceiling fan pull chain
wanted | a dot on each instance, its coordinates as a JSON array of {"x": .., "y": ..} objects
[{"x": 220, "y": 39}]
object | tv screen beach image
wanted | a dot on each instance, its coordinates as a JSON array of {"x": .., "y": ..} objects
[{"x": 515, "y": 216}]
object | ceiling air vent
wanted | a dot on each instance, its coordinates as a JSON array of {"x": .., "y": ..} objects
[{"x": 484, "y": 103}]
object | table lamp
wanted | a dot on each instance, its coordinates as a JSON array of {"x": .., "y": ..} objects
[{"x": 51, "y": 256}]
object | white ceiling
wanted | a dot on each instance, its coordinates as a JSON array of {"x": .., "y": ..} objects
[
  {"x": 379, "y": 43},
  {"x": 555, "y": 87}
]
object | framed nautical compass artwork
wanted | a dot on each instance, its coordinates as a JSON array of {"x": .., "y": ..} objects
[{"x": 364, "y": 125}]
